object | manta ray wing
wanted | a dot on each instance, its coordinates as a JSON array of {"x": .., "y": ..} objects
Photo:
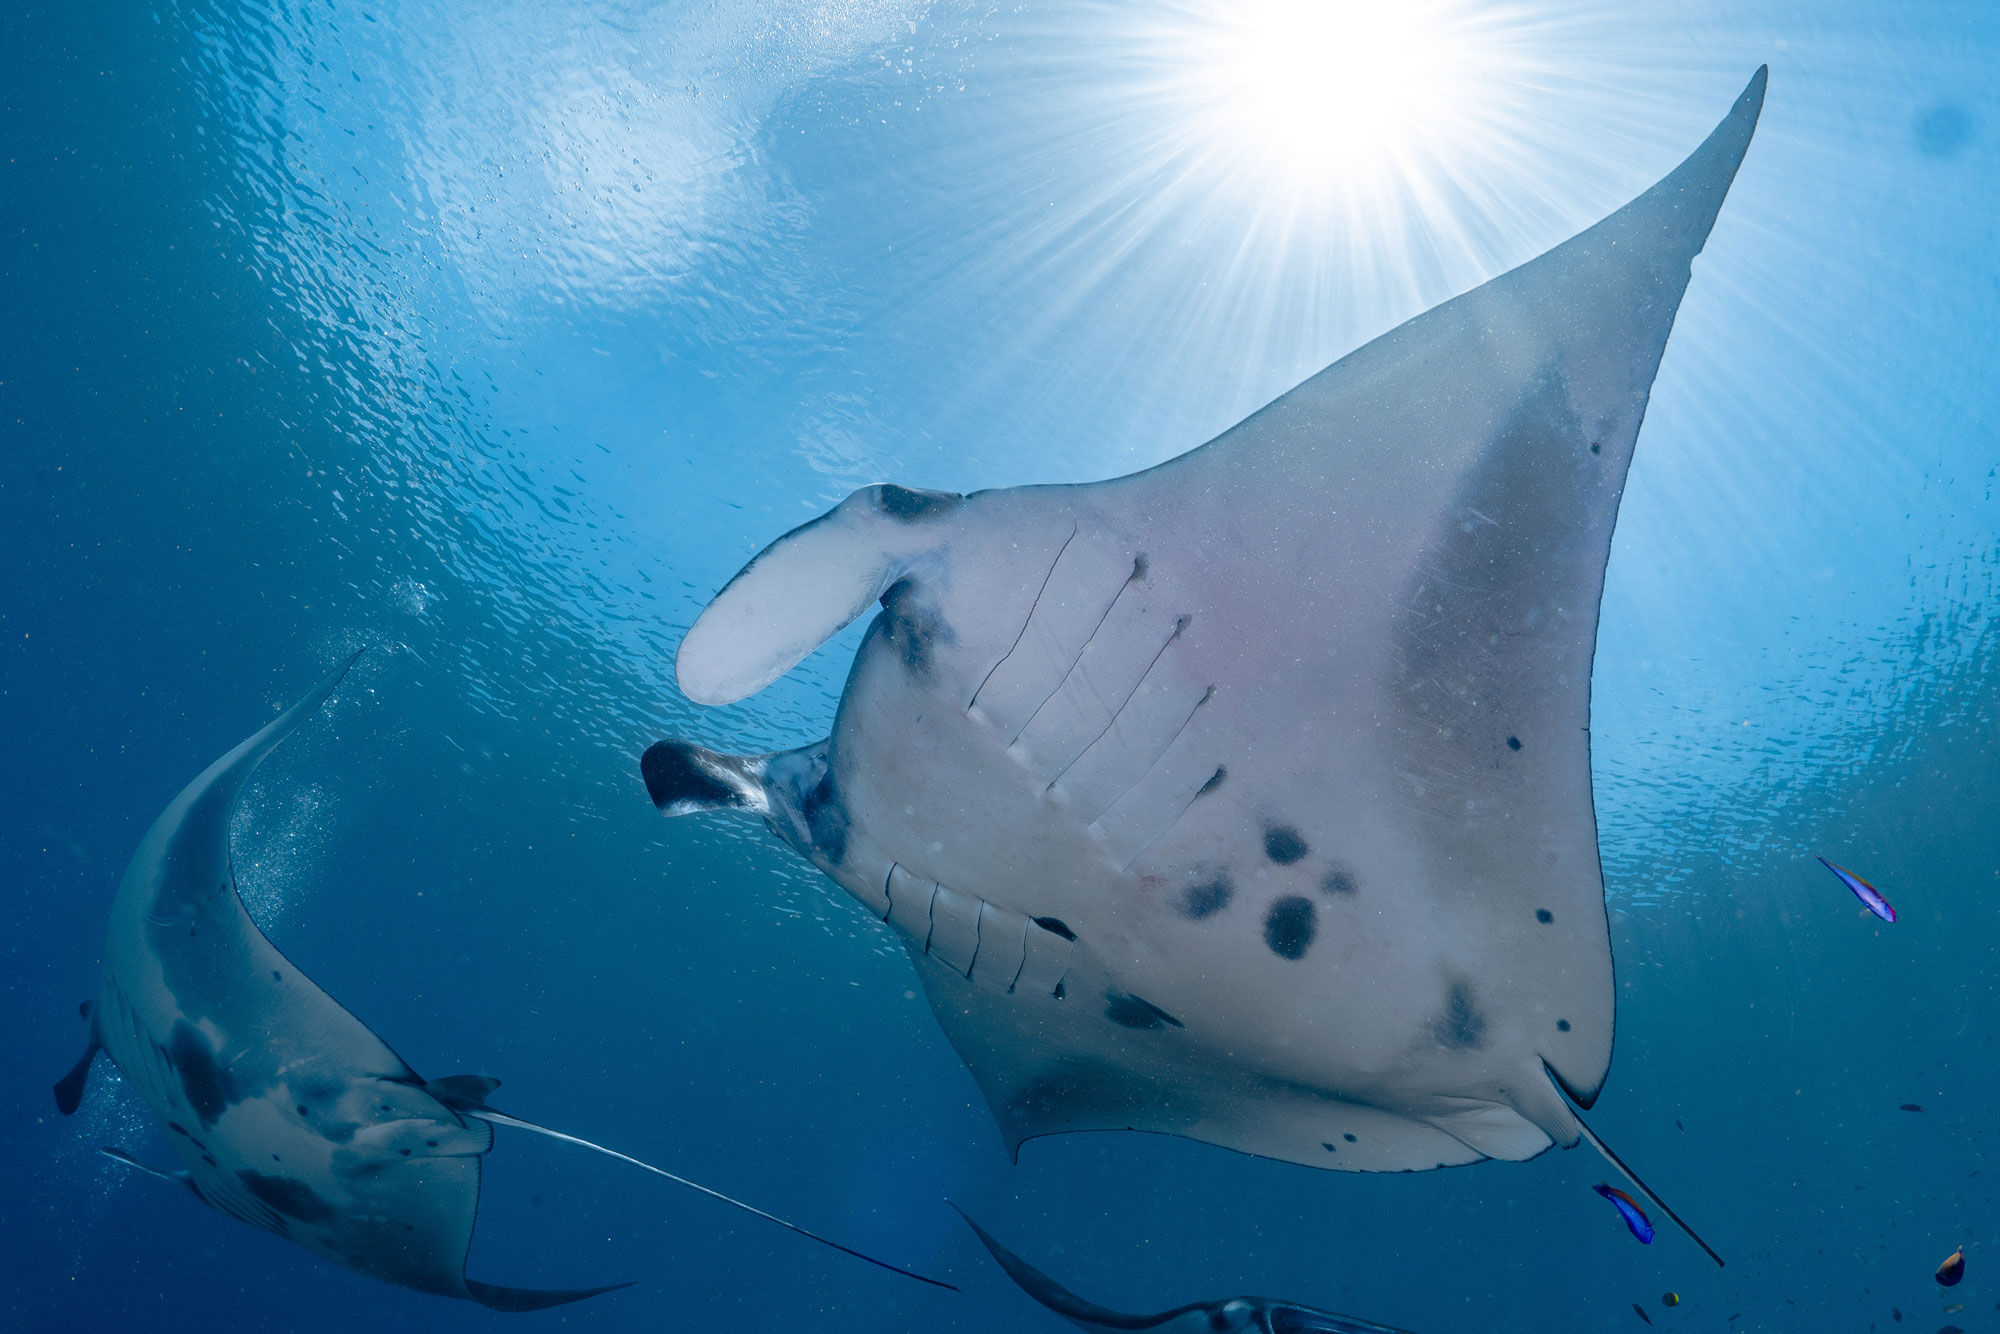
[{"x": 1248, "y": 797}]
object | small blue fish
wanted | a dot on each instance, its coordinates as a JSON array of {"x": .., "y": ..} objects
[
  {"x": 1862, "y": 890},
  {"x": 1635, "y": 1217}
]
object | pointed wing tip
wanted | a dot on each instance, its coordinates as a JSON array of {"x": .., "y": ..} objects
[
  {"x": 1686, "y": 202},
  {"x": 499, "y": 1297},
  {"x": 1731, "y": 138}
]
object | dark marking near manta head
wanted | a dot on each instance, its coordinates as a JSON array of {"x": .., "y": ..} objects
[
  {"x": 1136, "y": 1012},
  {"x": 913, "y": 631},
  {"x": 826, "y": 817},
  {"x": 1290, "y": 926},
  {"x": 204, "y": 1080},
  {"x": 1328, "y": 1147},
  {"x": 1057, "y": 925},
  {"x": 1207, "y": 898},
  {"x": 291, "y": 1197},
  {"x": 1060, "y": 991},
  {"x": 1140, "y": 565},
  {"x": 910, "y": 505},
  {"x": 1562, "y": 1025},
  {"x": 1544, "y": 916},
  {"x": 1513, "y": 743},
  {"x": 276, "y": 976},
  {"x": 1283, "y": 845},
  {"x": 673, "y": 776},
  {"x": 1339, "y": 880},
  {"x": 1461, "y": 1027},
  {"x": 1214, "y": 782},
  {"x": 1348, "y": 1138}
]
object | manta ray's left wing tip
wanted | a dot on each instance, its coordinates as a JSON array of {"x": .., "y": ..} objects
[{"x": 499, "y": 1297}]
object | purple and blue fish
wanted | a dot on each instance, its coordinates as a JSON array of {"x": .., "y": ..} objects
[
  {"x": 1864, "y": 891},
  {"x": 1629, "y": 1210}
]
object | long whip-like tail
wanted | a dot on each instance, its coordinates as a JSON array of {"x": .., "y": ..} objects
[
  {"x": 120, "y": 1156},
  {"x": 1629, "y": 1174},
  {"x": 502, "y": 1119}
]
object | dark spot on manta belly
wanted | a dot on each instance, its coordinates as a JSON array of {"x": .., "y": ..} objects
[
  {"x": 1544, "y": 916},
  {"x": 909, "y": 505},
  {"x": 1513, "y": 743},
  {"x": 913, "y": 631},
  {"x": 1283, "y": 845},
  {"x": 289, "y": 1196},
  {"x": 1214, "y": 782},
  {"x": 204, "y": 1080},
  {"x": 1290, "y": 926},
  {"x": 1136, "y": 1012},
  {"x": 1562, "y": 1025},
  {"x": 1348, "y": 1138},
  {"x": 1207, "y": 898},
  {"x": 826, "y": 817},
  {"x": 1057, "y": 925},
  {"x": 1461, "y": 1027},
  {"x": 1328, "y": 1147},
  {"x": 1339, "y": 880}
]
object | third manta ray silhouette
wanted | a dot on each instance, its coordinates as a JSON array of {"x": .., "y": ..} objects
[{"x": 1248, "y": 797}]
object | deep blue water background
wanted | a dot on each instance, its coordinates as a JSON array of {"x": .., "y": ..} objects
[{"x": 497, "y": 336}]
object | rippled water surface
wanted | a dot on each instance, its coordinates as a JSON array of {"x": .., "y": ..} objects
[{"x": 497, "y": 336}]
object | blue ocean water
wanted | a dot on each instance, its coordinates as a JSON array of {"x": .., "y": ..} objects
[{"x": 497, "y": 336}]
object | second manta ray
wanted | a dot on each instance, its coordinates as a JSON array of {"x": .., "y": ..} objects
[
  {"x": 287, "y": 1111},
  {"x": 1248, "y": 797},
  {"x": 1231, "y": 1315}
]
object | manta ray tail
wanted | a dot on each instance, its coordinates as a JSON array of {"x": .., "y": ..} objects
[
  {"x": 120, "y": 1156},
  {"x": 1633, "y": 1177},
  {"x": 479, "y": 1109}
]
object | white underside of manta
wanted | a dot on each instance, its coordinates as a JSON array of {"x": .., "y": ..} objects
[{"x": 1248, "y": 798}]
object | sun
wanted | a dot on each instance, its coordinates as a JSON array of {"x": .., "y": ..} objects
[
  {"x": 1338, "y": 95},
  {"x": 1320, "y": 84}
]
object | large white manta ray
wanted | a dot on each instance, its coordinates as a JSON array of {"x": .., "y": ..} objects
[{"x": 1248, "y": 797}]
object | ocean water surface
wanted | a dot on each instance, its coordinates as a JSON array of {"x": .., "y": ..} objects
[{"x": 496, "y": 336}]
